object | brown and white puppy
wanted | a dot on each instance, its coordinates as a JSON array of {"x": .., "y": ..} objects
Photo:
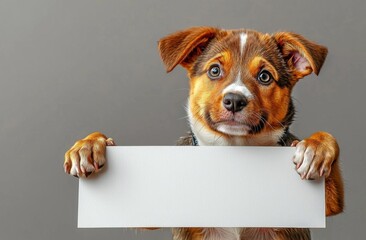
[{"x": 240, "y": 94}]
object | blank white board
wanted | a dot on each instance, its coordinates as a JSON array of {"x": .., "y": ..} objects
[{"x": 184, "y": 186}]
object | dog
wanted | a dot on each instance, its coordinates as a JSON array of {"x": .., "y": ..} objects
[{"x": 240, "y": 94}]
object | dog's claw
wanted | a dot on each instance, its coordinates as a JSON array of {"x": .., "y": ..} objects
[
  {"x": 294, "y": 143},
  {"x": 110, "y": 142}
]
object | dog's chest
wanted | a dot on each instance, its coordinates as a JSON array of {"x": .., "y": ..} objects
[
  {"x": 238, "y": 234},
  {"x": 221, "y": 234}
]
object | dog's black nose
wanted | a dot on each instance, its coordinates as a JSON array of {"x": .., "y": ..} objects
[{"x": 234, "y": 102}]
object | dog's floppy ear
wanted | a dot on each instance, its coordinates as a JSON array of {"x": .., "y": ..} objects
[
  {"x": 184, "y": 46},
  {"x": 301, "y": 55}
]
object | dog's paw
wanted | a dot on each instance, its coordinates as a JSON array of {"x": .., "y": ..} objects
[
  {"x": 314, "y": 155},
  {"x": 87, "y": 155}
]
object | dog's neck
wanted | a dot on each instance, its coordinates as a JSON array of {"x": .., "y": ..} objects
[{"x": 207, "y": 137}]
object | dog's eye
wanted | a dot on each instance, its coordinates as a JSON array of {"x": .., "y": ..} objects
[
  {"x": 265, "y": 77},
  {"x": 214, "y": 72}
]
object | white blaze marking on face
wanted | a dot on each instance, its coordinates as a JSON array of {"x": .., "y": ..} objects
[
  {"x": 238, "y": 87},
  {"x": 243, "y": 40}
]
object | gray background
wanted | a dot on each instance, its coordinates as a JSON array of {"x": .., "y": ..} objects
[{"x": 68, "y": 68}]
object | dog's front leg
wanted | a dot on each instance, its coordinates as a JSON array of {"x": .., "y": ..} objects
[{"x": 317, "y": 156}]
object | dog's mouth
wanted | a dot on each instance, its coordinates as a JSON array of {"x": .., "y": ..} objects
[{"x": 237, "y": 127}]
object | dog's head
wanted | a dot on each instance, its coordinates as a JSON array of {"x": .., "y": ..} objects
[{"x": 240, "y": 80}]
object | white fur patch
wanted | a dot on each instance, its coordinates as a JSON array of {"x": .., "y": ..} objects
[
  {"x": 233, "y": 130},
  {"x": 243, "y": 41},
  {"x": 238, "y": 87}
]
